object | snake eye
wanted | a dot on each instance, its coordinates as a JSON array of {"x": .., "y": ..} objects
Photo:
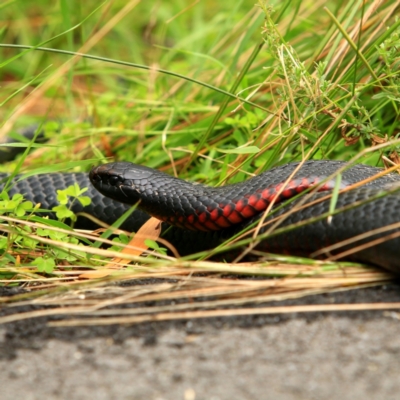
[{"x": 113, "y": 180}]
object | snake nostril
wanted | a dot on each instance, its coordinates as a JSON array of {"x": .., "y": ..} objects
[{"x": 94, "y": 176}]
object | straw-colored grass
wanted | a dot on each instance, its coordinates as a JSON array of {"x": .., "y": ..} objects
[{"x": 209, "y": 93}]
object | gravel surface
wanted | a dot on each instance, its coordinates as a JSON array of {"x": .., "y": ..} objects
[{"x": 304, "y": 356}]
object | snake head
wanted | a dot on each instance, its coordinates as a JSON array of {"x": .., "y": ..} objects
[{"x": 121, "y": 181}]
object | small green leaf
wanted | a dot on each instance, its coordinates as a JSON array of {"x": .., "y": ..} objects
[
  {"x": 151, "y": 244},
  {"x": 62, "y": 196},
  {"x": 46, "y": 265},
  {"x": 4, "y": 196},
  {"x": 73, "y": 190},
  {"x": 19, "y": 211},
  {"x": 3, "y": 242},
  {"x": 17, "y": 197},
  {"x": 27, "y": 205},
  {"x": 29, "y": 243},
  {"x": 42, "y": 232},
  {"x": 56, "y": 235},
  {"x": 64, "y": 255},
  {"x": 63, "y": 212},
  {"x": 85, "y": 200}
]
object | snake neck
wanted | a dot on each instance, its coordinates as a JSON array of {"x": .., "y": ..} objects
[{"x": 199, "y": 207}]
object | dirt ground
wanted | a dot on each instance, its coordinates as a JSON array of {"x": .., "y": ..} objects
[{"x": 352, "y": 355}]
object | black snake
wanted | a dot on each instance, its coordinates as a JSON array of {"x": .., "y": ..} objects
[{"x": 204, "y": 217}]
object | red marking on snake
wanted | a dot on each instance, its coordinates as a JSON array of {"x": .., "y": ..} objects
[
  {"x": 203, "y": 217},
  {"x": 226, "y": 209},
  {"x": 235, "y": 217},
  {"x": 248, "y": 212},
  {"x": 287, "y": 193},
  {"x": 170, "y": 220},
  {"x": 214, "y": 214},
  {"x": 253, "y": 199},
  {"x": 241, "y": 204},
  {"x": 267, "y": 195},
  {"x": 225, "y": 215},
  {"x": 327, "y": 186},
  {"x": 211, "y": 225},
  {"x": 300, "y": 188},
  {"x": 198, "y": 226},
  {"x": 261, "y": 205},
  {"x": 223, "y": 222}
]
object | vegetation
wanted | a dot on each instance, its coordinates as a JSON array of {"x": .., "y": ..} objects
[{"x": 209, "y": 91}]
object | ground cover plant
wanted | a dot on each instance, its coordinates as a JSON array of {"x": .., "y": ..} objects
[{"x": 206, "y": 91}]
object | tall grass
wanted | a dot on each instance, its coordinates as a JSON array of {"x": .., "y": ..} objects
[{"x": 307, "y": 80}]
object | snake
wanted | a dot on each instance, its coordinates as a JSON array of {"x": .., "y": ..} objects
[{"x": 295, "y": 203}]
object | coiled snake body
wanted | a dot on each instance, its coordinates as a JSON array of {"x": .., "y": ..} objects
[{"x": 204, "y": 216}]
